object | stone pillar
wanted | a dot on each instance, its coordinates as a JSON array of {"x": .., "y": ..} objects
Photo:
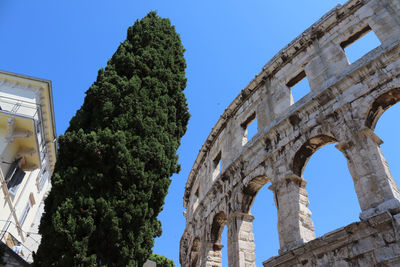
[
  {"x": 241, "y": 248},
  {"x": 295, "y": 226},
  {"x": 376, "y": 190},
  {"x": 280, "y": 95},
  {"x": 213, "y": 255}
]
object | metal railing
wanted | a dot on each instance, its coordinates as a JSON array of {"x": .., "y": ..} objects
[
  {"x": 27, "y": 109},
  {"x": 10, "y": 240},
  {"x": 18, "y": 106}
]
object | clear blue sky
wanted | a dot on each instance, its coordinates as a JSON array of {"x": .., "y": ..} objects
[{"x": 226, "y": 42}]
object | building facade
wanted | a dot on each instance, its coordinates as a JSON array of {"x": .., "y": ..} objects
[{"x": 27, "y": 156}]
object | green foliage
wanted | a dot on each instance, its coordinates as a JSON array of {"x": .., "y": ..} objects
[
  {"x": 117, "y": 156},
  {"x": 162, "y": 261}
]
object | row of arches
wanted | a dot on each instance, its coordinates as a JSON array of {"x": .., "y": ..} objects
[{"x": 256, "y": 187}]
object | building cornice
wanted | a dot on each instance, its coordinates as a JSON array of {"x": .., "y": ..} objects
[{"x": 45, "y": 88}]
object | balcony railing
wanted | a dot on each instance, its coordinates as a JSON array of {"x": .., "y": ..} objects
[
  {"x": 29, "y": 246},
  {"x": 20, "y": 107},
  {"x": 13, "y": 106}
]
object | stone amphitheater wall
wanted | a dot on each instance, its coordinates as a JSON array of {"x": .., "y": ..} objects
[{"x": 344, "y": 104}]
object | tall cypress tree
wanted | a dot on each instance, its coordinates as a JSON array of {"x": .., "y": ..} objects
[{"x": 117, "y": 156}]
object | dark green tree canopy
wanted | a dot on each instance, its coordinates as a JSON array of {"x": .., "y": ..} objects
[
  {"x": 2, "y": 255},
  {"x": 161, "y": 261},
  {"x": 117, "y": 156}
]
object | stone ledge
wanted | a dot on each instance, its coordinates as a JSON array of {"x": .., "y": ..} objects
[{"x": 374, "y": 239}]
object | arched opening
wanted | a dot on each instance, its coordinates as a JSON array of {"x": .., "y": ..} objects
[
  {"x": 382, "y": 119},
  {"x": 307, "y": 150},
  {"x": 217, "y": 227},
  {"x": 215, "y": 251},
  {"x": 251, "y": 190},
  {"x": 224, "y": 250},
  {"x": 380, "y": 105},
  {"x": 259, "y": 201},
  {"x": 333, "y": 199}
]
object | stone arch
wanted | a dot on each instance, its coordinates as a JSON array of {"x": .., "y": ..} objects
[
  {"x": 257, "y": 202},
  {"x": 213, "y": 246},
  {"x": 217, "y": 226},
  {"x": 389, "y": 193},
  {"x": 319, "y": 154},
  {"x": 304, "y": 153},
  {"x": 250, "y": 191},
  {"x": 290, "y": 192},
  {"x": 380, "y": 105}
]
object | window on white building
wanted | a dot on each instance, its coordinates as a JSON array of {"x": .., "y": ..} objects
[
  {"x": 25, "y": 213},
  {"x": 43, "y": 178},
  {"x": 14, "y": 177}
]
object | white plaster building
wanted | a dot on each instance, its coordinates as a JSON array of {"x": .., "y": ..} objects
[{"x": 27, "y": 157}]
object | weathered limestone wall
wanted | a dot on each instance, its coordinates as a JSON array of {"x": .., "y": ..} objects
[
  {"x": 374, "y": 242},
  {"x": 345, "y": 102}
]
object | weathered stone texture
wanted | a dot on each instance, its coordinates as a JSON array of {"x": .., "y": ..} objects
[
  {"x": 374, "y": 242},
  {"x": 343, "y": 107}
]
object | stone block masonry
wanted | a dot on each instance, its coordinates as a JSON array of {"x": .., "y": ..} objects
[
  {"x": 345, "y": 102},
  {"x": 374, "y": 242}
]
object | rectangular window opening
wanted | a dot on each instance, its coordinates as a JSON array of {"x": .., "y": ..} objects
[
  {"x": 43, "y": 178},
  {"x": 299, "y": 87},
  {"x": 250, "y": 128},
  {"x": 14, "y": 177},
  {"x": 25, "y": 213},
  {"x": 197, "y": 193},
  {"x": 359, "y": 44},
  {"x": 217, "y": 165}
]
